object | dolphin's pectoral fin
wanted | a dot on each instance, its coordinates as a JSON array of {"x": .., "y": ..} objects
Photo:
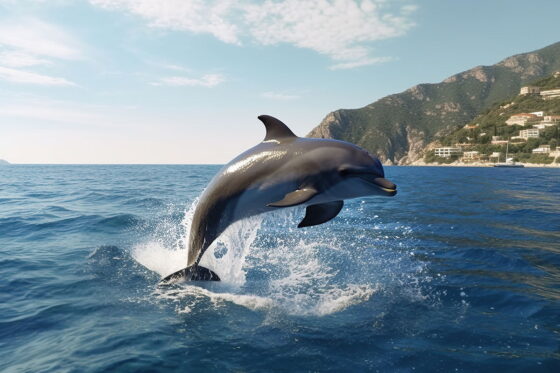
[
  {"x": 320, "y": 213},
  {"x": 192, "y": 273},
  {"x": 297, "y": 197}
]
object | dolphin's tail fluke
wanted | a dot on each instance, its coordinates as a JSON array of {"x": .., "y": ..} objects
[{"x": 192, "y": 273}]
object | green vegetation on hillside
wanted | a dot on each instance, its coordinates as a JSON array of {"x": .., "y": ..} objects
[{"x": 478, "y": 135}]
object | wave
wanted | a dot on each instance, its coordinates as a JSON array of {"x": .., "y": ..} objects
[
  {"x": 49, "y": 224},
  {"x": 118, "y": 221}
]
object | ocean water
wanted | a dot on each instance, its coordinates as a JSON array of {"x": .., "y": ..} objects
[{"x": 459, "y": 272}]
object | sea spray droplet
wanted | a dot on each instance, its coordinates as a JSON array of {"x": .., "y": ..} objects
[{"x": 238, "y": 239}]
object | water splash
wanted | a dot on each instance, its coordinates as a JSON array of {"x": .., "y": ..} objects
[
  {"x": 266, "y": 264},
  {"x": 237, "y": 242},
  {"x": 166, "y": 250},
  {"x": 164, "y": 257}
]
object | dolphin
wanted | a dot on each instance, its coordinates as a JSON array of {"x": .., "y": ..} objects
[{"x": 284, "y": 170}]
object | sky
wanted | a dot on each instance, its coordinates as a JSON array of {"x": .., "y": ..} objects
[{"x": 183, "y": 81}]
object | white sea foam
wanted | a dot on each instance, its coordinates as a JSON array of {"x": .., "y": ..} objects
[
  {"x": 160, "y": 255},
  {"x": 158, "y": 258},
  {"x": 293, "y": 272},
  {"x": 193, "y": 294}
]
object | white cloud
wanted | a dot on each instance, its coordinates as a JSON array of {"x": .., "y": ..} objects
[
  {"x": 198, "y": 16},
  {"x": 340, "y": 29},
  {"x": 20, "y": 76},
  {"x": 31, "y": 42},
  {"x": 360, "y": 62},
  {"x": 37, "y": 38},
  {"x": 343, "y": 30},
  {"x": 279, "y": 96},
  {"x": 21, "y": 59},
  {"x": 208, "y": 80}
]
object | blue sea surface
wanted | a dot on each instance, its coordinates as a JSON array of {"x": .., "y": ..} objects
[{"x": 458, "y": 272}]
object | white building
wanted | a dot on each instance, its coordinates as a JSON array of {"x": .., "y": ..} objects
[
  {"x": 548, "y": 121},
  {"x": 497, "y": 140},
  {"x": 529, "y": 90},
  {"x": 551, "y": 118},
  {"x": 550, "y": 94},
  {"x": 542, "y": 125},
  {"x": 529, "y": 133},
  {"x": 521, "y": 119},
  {"x": 471, "y": 155},
  {"x": 471, "y": 126},
  {"x": 538, "y": 113},
  {"x": 447, "y": 152},
  {"x": 543, "y": 149},
  {"x": 521, "y": 139}
]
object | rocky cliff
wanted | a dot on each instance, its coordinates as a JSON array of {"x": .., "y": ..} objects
[{"x": 399, "y": 126}]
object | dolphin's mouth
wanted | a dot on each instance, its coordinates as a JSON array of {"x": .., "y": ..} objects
[
  {"x": 365, "y": 174},
  {"x": 387, "y": 187}
]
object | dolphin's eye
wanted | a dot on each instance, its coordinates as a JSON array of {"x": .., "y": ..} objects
[{"x": 343, "y": 171}]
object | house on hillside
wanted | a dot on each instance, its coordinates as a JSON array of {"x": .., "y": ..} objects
[
  {"x": 447, "y": 152},
  {"x": 471, "y": 155},
  {"x": 530, "y": 133},
  {"x": 521, "y": 119},
  {"x": 497, "y": 140},
  {"x": 529, "y": 90},
  {"x": 518, "y": 139},
  {"x": 548, "y": 121},
  {"x": 550, "y": 94},
  {"x": 551, "y": 118},
  {"x": 543, "y": 149}
]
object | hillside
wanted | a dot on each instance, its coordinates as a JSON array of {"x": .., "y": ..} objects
[
  {"x": 507, "y": 123},
  {"x": 3, "y": 162},
  {"x": 399, "y": 126}
]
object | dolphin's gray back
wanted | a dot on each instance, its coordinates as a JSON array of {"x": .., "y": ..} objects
[
  {"x": 257, "y": 177},
  {"x": 246, "y": 174}
]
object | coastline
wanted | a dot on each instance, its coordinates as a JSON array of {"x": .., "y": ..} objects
[{"x": 480, "y": 164}]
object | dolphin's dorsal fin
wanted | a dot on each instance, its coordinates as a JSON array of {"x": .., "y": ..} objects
[{"x": 275, "y": 129}]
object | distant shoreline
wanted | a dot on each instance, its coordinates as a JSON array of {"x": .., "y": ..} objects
[{"x": 527, "y": 165}]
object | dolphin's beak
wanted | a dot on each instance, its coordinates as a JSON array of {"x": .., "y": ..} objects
[
  {"x": 385, "y": 185},
  {"x": 372, "y": 177}
]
